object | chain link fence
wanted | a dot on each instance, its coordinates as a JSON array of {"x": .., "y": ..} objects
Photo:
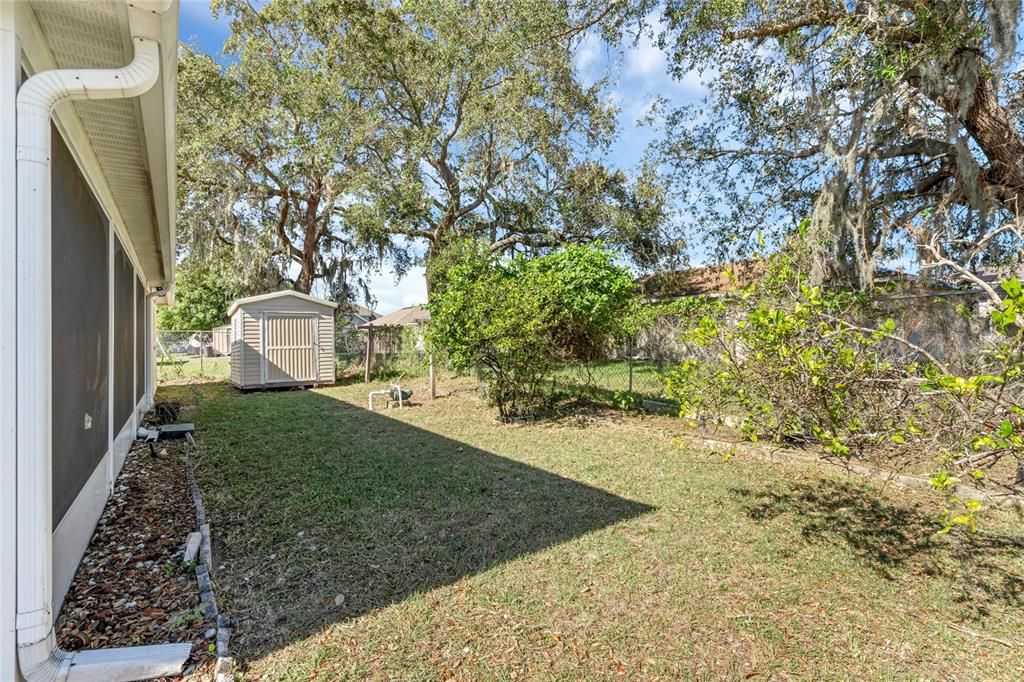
[
  {"x": 191, "y": 356},
  {"x": 634, "y": 367}
]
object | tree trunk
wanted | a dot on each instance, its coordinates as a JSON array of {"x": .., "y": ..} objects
[
  {"x": 307, "y": 261},
  {"x": 304, "y": 282},
  {"x": 989, "y": 125}
]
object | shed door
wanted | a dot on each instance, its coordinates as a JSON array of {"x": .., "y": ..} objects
[{"x": 289, "y": 348}]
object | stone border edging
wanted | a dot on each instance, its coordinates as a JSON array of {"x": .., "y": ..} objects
[{"x": 225, "y": 667}]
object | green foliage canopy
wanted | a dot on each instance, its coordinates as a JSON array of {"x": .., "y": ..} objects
[
  {"x": 794, "y": 363},
  {"x": 896, "y": 125},
  {"x": 269, "y": 157},
  {"x": 517, "y": 319},
  {"x": 481, "y": 127},
  {"x": 347, "y": 133},
  {"x": 202, "y": 294}
]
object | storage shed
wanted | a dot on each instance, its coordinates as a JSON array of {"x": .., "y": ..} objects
[
  {"x": 221, "y": 339},
  {"x": 282, "y": 339}
]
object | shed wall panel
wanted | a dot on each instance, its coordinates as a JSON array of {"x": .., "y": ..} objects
[
  {"x": 236, "y": 349},
  {"x": 326, "y": 369},
  {"x": 251, "y": 364},
  {"x": 290, "y": 347}
]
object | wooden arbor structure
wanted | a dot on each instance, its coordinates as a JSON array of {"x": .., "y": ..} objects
[{"x": 410, "y": 316}]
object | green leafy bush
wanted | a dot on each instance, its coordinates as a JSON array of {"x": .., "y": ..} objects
[
  {"x": 516, "y": 320},
  {"x": 202, "y": 293},
  {"x": 791, "y": 362}
]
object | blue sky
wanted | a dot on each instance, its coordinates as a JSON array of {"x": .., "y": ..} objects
[{"x": 639, "y": 78}]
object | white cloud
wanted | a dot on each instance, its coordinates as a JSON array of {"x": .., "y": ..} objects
[
  {"x": 586, "y": 55},
  {"x": 645, "y": 58},
  {"x": 391, "y": 294}
]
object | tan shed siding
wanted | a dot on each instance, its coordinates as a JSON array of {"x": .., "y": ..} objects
[
  {"x": 289, "y": 347},
  {"x": 236, "y": 349},
  {"x": 222, "y": 339},
  {"x": 293, "y": 326},
  {"x": 251, "y": 364},
  {"x": 285, "y": 305},
  {"x": 326, "y": 370}
]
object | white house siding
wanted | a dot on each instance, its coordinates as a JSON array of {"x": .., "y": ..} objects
[
  {"x": 116, "y": 180},
  {"x": 100, "y": 348}
]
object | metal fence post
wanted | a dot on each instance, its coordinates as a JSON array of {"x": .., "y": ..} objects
[{"x": 629, "y": 361}]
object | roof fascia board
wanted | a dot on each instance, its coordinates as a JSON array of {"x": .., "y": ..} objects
[
  {"x": 36, "y": 57},
  {"x": 157, "y": 108}
]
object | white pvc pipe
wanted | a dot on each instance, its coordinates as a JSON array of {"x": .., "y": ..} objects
[{"x": 38, "y": 655}]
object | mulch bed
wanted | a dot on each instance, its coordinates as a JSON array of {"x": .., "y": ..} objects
[{"x": 132, "y": 586}]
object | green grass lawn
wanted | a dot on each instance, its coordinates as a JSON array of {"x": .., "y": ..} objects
[
  {"x": 612, "y": 376},
  {"x": 432, "y": 542},
  {"x": 189, "y": 369}
]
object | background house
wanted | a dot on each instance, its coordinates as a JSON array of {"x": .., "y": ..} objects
[
  {"x": 87, "y": 104},
  {"x": 355, "y": 315},
  {"x": 397, "y": 334},
  {"x": 349, "y": 343}
]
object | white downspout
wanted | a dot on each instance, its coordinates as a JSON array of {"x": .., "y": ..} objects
[{"x": 38, "y": 655}]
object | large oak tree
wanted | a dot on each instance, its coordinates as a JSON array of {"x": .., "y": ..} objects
[
  {"x": 343, "y": 133},
  {"x": 895, "y": 124},
  {"x": 268, "y": 158}
]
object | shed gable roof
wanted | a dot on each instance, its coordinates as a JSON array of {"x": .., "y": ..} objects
[{"x": 279, "y": 294}]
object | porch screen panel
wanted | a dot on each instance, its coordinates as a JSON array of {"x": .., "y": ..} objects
[
  {"x": 80, "y": 329},
  {"x": 124, "y": 346},
  {"x": 140, "y": 340}
]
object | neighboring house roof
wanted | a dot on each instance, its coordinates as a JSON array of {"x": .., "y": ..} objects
[
  {"x": 403, "y": 317},
  {"x": 715, "y": 280},
  {"x": 996, "y": 274},
  {"x": 128, "y": 142},
  {"x": 278, "y": 294},
  {"x": 357, "y": 310},
  {"x": 702, "y": 281}
]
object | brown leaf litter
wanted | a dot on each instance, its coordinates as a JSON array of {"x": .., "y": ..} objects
[{"x": 133, "y": 586}]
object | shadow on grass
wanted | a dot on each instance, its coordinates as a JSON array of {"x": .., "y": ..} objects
[
  {"x": 889, "y": 538},
  {"x": 323, "y": 511}
]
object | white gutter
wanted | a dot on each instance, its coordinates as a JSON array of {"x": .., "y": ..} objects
[{"x": 38, "y": 655}]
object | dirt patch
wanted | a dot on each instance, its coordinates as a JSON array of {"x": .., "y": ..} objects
[{"x": 132, "y": 586}]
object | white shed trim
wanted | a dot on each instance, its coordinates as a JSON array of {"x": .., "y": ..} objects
[{"x": 279, "y": 294}]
